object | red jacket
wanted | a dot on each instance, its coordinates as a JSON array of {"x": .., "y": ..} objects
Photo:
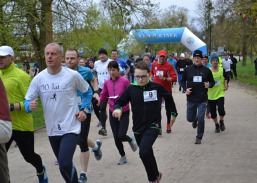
[{"x": 167, "y": 71}]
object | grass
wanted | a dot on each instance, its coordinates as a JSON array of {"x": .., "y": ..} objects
[
  {"x": 38, "y": 117},
  {"x": 246, "y": 74}
]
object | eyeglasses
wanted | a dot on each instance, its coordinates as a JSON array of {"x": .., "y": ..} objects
[{"x": 141, "y": 77}]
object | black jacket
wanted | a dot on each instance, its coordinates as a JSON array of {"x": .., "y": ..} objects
[
  {"x": 144, "y": 114},
  {"x": 199, "y": 92}
]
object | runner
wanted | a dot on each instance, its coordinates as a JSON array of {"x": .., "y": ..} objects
[
  {"x": 113, "y": 88},
  {"x": 164, "y": 74},
  {"x": 5, "y": 133},
  {"x": 216, "y": 94},
  {"x": 16, "y": 83},
  {"x": 145, "y": 98},
  {"x": 196, "y": 80},
  {"x": 100, "y": 68},
  {"x": 57, "y": 88},
  {"x": 72, "y": 61}
]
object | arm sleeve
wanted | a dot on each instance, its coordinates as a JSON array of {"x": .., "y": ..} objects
[
  {"x": 24, "y": 83},
  {"x": 81, "y": 84},
  {"x": 32, "y": 94},
  {"x": 5, "y": 131},
  {"x": 211, "y": 79},
  {"x": 123, "y": 100},
  {"x": 173, "y": 74}
]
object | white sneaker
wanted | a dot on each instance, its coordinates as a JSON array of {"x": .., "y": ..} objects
[
  {"x": 123, "y": 160},
  {"x": 133, "y": 143}
]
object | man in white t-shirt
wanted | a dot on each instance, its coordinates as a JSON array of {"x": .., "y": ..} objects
[
  {"x": 57, "y": 87},
  {"x": 226, "y": 64},
  {"x": 100, "y": 68}
]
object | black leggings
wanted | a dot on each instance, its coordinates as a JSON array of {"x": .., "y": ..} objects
[
  {"x": 83, "y": 136},
  {"x": 119, "y": 130},
  {"x": 170, "y": 111},
  {"x": 100, "y": 111},
  {"x": 25, "y": 142},
  {"x": 213, "y": 104},
  {"x": 145, "y": 141}
]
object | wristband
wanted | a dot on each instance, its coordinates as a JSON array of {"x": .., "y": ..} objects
[
  {"x": 11, "y": 107},
  {"x": 96, "y": 91}
]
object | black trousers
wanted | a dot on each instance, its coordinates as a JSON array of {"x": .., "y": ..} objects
[
  {"x": 119, "y": 130},
  {"x": 170, "y": 111},
  {"x": 145, "y": 143},
  {"x": 213, "y": 104},
  {"x": 83, "y": 136},
  {"x": 25, "y": 142}
]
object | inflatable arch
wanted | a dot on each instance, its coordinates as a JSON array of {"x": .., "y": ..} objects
[{"x": 167, "y": 35}]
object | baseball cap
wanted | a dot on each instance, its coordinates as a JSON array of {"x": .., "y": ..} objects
[
  {"x": 162, "y": 53},
  {"x": 6, "y": 50},
  {"x": 182, "y": 55}
]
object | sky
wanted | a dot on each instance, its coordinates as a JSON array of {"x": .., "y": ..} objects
[{"x": 189, "y": 4}]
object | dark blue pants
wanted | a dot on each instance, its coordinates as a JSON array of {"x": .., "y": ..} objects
[
  {"x": 194, "y": 108},
  {"x": 64, "y": 147}
]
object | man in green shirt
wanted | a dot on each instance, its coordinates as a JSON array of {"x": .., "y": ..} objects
[{"x": 16, "y": 83}]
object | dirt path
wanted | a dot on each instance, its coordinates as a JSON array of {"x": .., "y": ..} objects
[{"x": 228, "y": 157}]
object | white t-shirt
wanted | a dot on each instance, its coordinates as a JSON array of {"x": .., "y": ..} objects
[
  {"x": 226, "y": 64},
  {"x": 102, "y": 71},
  {"x": 58, "y": 94}
]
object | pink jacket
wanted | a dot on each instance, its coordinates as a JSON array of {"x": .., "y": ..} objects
[{"x": 113, "y": 90}]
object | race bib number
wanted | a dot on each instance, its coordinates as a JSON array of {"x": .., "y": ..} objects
[
  {"x": 197, "y": 79},
  {"x": 150, "y": 96},
  {"x": 159, "y": 73},
  {"x": 217, "y": 83},
  {"x": 181, "y": 69},
  {"x": 79, "y": 100}
]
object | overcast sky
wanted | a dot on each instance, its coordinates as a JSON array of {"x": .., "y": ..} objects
[{"x": 189, "y": 4}]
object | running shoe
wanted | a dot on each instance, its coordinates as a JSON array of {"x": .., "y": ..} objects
[
  {"x": 168, "y": 128},
  {"x": 222, "y": 126},
  {"x": 158, "y": 179},
  {"x": 133, "y": 143},
  {"x": 82, "y": 178},
  {"x": 194, "y": 123},
  {"x": 198, "y": 141},
  {"x": 102, "y": 132},
  {"x": 98, "y": 152},
  {"x": 42, "y": 178},
  {"x": 217, "y": 128},
  {"x": 123, "y": 160}
]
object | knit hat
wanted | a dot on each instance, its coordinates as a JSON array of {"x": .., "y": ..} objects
[
  {"x": 214, "y": 57},
  {"x": 198, "y": 53},
  {"x": 102, "y": 50}
]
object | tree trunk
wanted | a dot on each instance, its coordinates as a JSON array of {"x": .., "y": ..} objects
[{"x": 46, "y": 28}]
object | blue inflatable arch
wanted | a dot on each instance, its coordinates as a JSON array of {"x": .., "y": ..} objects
[{"x": 167, "y": 35}]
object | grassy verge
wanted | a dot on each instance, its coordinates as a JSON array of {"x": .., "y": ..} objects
[{"x": 246, "y": 74}]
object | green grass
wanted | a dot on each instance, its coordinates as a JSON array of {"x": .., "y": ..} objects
[
  {"x": 38, "y": 117},
  {"x": 246, "y": 74}
]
